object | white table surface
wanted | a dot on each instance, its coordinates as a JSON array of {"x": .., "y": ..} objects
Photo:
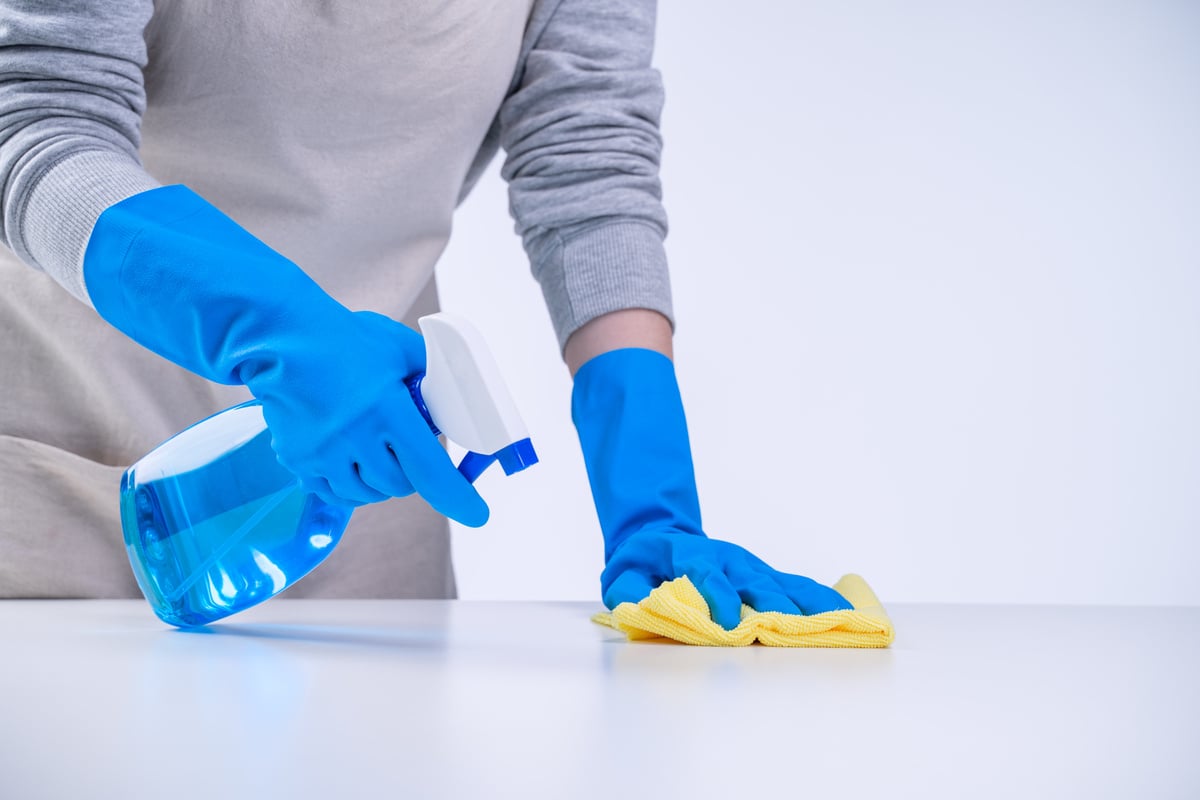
[{"x": 299, "y": 699}]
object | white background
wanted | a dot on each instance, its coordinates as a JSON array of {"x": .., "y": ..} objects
[{"x": 937, "y": 284}]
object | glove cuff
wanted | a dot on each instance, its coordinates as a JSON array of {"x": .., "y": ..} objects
[
  {"x": 182, "y": 279},
  {"x": 629, "y": 416}
]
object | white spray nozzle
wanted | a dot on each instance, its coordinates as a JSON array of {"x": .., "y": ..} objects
[{"x": 465, "y": 395}]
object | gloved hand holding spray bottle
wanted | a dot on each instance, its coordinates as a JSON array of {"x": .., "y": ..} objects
[{"x": 347, "y": 408}]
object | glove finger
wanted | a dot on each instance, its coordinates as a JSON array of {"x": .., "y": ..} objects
[
  {"x": 628, "y": 587},
  {"x": 756, "y": 585},
  {"x": 761, "y": 598},
  {"x": 724, "y": 604},
  {"x": 810, "y": 596},
  {"x": 346, "y": 484},
  {"x": 320, "y": 487},
  {"x": 433, "y": 475},
  {"x": 383, "y": 473}
]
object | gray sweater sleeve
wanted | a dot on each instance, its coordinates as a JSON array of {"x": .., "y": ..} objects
[
  {"x": 71, "y": 100},
  {"x": 581, "y": 133}
]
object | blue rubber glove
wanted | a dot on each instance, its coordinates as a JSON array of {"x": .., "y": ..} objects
[
  {"x": 185, "y": 281},
  {"x": 629, "y": 415}
]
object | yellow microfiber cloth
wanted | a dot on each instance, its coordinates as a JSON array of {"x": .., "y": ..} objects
[{"x": 676, "y": 610}]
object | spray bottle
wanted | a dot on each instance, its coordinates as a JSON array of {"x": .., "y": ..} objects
[{"x": 213, "y": 524}]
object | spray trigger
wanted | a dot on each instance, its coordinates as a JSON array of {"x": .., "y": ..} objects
[{"x": 462, "y": 394}]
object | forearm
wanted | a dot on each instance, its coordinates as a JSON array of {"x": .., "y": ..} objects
[
  {"x": 634, "y": 327},
  {"x": 71, "y": 99},
  {"x": 581, "y": 132}
]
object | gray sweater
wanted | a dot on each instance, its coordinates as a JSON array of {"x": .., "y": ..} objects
[{"x": 578, "y": 120}]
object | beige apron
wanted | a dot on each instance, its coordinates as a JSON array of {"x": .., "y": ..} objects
[{"x": 338, "y": 133}]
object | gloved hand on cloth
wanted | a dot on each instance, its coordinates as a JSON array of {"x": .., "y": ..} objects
[{"x": 629, "y": 415}]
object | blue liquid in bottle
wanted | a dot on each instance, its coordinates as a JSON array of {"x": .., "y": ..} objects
[{"x": 214, "y": 524}]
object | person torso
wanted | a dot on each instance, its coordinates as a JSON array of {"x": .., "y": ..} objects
[{"x": 338, "y": 132}]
